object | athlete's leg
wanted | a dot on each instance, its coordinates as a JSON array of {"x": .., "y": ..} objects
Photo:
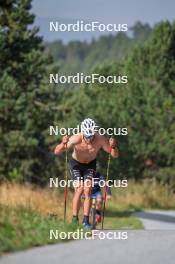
[
  {"x": 99, "y": 203},
  {"x": 99, "y": 199},
  {"x": 77, "y": 197},
  {"x": 87, "y": 195},
  {"x": 76, "y": 175},
  {"x": 88, "y": 176}
]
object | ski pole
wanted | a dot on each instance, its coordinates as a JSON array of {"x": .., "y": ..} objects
[
  {"x": 65, "y": 188},
  {"x": 105, "y": 193}
]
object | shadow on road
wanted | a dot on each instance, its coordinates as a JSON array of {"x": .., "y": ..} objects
[{"x": 156, "y": 216}]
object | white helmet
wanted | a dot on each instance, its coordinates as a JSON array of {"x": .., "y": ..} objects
[{"x": 88, "y": 127}]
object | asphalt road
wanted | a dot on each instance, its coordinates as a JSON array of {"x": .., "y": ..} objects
[
  {"x": 157, "y": 220},
  {"x": 145, "y": 247},
  {"x": 140, "y": 247}
]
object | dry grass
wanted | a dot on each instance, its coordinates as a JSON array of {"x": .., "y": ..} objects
[
  {"x": 50, "y": 201},
  {"x": 147, "y": 194},
  {"x": 45, "y": 201}
]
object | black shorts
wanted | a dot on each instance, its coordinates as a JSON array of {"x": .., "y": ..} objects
[{"x": 82, "y": 171}]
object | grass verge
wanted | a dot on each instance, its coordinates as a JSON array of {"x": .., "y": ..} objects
[
  {"x": 22, "y": 228},
  {"x": 120, "y": 219},
  {"x": 25, "y": 210}
]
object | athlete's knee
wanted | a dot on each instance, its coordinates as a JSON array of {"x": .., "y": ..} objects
[
  {"x": 87, "y": 193},
  {"x": 99, "y": 204},
  {"x": 88, "y": 184},
  {"x": 87, "y": 197},
  {"x": 79, "y": 190},
  {"x": 99, "y": 200}
]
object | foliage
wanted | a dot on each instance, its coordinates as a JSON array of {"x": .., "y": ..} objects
[
  {"x": 22, "y": 228},
  {"x": 28, "y": 105},
  {"x": 144, "y": 105}
]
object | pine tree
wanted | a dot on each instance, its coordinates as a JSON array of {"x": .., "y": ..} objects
[
  {"x": 149, "y": 100},
  {"x": 25, "y": 99}
]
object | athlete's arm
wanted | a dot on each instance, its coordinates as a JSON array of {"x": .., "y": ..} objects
[
  {"x": 67, "y": 143},
  {"x": 110, "y": 146}
]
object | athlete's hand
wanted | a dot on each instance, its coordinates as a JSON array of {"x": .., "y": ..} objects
[
  {"x": 112, "y": 142},
  {"x": 65, "y": 139}
]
